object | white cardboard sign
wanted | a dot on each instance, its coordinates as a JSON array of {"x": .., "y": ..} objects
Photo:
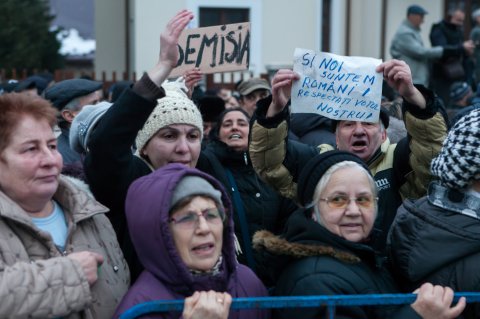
[{"x": 338, "y": 87}]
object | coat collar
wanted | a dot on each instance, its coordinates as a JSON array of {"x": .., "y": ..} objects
[
  {"x": 454, "y": 200},
  {"x": 76, "y": 203}
]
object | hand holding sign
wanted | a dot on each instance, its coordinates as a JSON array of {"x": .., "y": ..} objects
[
  {"x": 338, "y": 87},
  {"x": 398, "y": 75}
]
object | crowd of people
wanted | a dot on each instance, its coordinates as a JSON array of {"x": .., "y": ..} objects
[{"x": 165, "y": 192}]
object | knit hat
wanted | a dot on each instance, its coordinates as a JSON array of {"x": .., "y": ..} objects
[
  {"x": 195, "y": 185},
  {"x": 316, "y": 167},
  {"x": 248, "y": 86},
  {"x": 384, "y": 117},
  {"x": 174, "y": 108},
  {"x": 211, "y": 107},
  {"x": 459, "y": 160},
  {"x": 84, "y": 123},
  {"x": 63, "y": 92},
  {"x": 458, "y": 90}
]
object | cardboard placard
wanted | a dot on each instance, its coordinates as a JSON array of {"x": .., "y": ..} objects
[
  {"x": 338, "y": 87},
  {"x": 214, "y": 49}
]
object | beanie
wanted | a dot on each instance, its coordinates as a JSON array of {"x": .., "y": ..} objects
[
  {"x": 174, "y": 108},
  {"x": 195, "y": 185},
  {"x": 83, "y": 125},
  {"x": 458, "y": 163},
  {"x": 458, "y": 90},
  {"x": 211, "y": 107},
  {"x": 316, "y": 168}
]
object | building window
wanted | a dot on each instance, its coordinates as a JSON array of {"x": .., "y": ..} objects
[{"x": 219, "y": 16}]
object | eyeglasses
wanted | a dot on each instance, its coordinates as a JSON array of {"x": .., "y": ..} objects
[
  {"x": 342, "y": 201},
  {"x": 191, "y": 220}
]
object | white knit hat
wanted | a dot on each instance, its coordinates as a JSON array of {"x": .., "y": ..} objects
[
  {"x": 459, "y": 160},
  {"x": 174, "y": 108}
]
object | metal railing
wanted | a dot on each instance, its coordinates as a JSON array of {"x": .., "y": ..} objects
[{"x": 331, "y": 302}]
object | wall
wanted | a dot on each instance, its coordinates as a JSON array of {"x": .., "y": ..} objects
[
  {"x": 110, "y": 52},
  {"x": 397, "y": 12}
]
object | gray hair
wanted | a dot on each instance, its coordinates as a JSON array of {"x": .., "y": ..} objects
[{"x": 322, "y": 183}]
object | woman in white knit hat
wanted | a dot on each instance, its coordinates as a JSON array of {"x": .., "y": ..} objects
[{"x": 163, "y": 123}]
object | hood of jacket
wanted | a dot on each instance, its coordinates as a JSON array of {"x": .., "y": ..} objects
[{"x": 147, "y": 211}]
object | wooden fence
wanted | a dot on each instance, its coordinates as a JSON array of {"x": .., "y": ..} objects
[{"x": 226, "y": 80}]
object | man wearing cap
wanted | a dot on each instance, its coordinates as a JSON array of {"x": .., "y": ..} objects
[
  {"x": 407, "y": 45},
  {"x": 69, "y": 97},
  {"x": 251, "y": 91},
  {"x": 400, "y": 170}
]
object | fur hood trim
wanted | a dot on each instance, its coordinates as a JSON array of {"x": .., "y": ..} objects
[{"x": 264, "y": 239}]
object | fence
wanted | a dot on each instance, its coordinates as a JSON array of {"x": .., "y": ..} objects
[
  {"x": 331, "y": 302},
  {"x": 225, "y": 80}
]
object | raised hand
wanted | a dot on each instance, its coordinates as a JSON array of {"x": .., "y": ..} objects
[
  {"x": 168, "y": 56},
  {"x": 398, "y": 75},
  {"x": 281, "y": 90}
]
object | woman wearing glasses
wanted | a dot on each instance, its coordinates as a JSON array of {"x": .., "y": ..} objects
[
  {"x": 326, "y": 250},
  {"x": 181, "y": 226}
]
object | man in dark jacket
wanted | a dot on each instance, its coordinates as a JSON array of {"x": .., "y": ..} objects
[
  {"x": 400, "y": 170},
  {"x": 449, "y": 33}
]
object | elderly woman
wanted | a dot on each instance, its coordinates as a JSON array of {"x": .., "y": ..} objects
[
  {"x": 180, "y": 220},
  {"x": 165, "y": 126},
  {"x": 59, "y": 256},
  {"x": 256, "y": 205},
  {"x": 325, "y": 249}
]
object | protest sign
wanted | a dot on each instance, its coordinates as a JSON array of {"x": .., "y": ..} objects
[
  {"x": 338, "y": 87},
  {"x": 214, "y": 49}
]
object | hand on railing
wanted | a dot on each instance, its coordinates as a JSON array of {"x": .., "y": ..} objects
[
  {"x": 434, "y": 302},
  {"x": 211, "y": 304}
]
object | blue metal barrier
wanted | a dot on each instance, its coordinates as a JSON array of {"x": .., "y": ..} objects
[{"x": 293, "y": 302}]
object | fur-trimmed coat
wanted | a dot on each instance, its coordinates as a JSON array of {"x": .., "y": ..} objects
[
  {"x": 400, "y": 170},
  {"x": 310, "y": 260}
]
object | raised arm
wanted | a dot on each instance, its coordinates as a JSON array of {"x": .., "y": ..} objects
[{"x": 398, "y": 75}]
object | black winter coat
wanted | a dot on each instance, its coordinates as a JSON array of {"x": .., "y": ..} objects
[
  {"x": 310, "y": 260},
  {"x": 264, "y": 208},
  {"x": 111, "y": 167},
  {"x": 437, "y": 239}
]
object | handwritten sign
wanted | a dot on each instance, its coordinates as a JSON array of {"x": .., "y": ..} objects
[
  {"x": 214, "y": 49},
  {"x": 338, "y": 87}
]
